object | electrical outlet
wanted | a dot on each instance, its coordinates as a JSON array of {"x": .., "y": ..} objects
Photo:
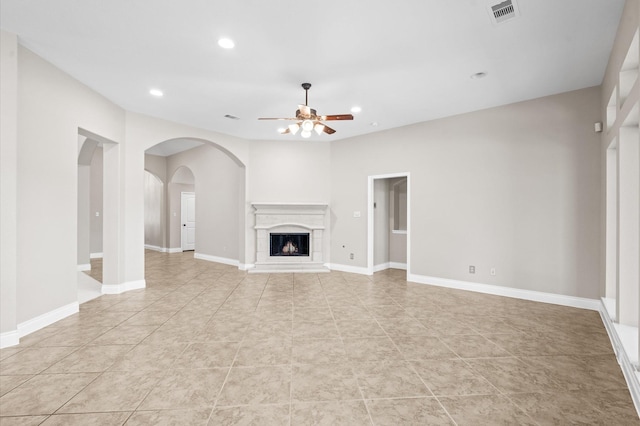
[
  {"x": 472, "y": 269},
  {"x": 351, "y": 256},
  {"x": 493, "y": 271}
]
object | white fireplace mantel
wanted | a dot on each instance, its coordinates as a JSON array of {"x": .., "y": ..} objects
[{"x": 290, "y": 218}]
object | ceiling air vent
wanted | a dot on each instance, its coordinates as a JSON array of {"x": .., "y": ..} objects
[{"x": 503, "y": 11}]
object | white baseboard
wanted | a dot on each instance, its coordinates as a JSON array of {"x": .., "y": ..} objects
[
  {"x": 397, "y": 265},
  {"x": 381, "y": 267},
  {"x": 121, "y": 288},
  {"x": 9, "y": 338},
  {"x": 95, "y": 256},
  {"x": 246, "y": 266},
  {"x": 216, "y": 259},
  {"x": 389, "y": 265},
  {"x": 84, "y": 267},
  {"x": 624, "y": 359},
  {"x": 163, "y": 249},
  {"x": 12, "y": 338},
  {"x": 41, "y": 321},
  {"x": 347, "y": 268},
  {"x": 535, "y": 296}
]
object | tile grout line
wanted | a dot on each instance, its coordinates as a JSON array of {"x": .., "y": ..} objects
[
  {"x": 414, "y": 370},
  {"x": 364, "y": 400},
  {"x": 224, "y": 382}
]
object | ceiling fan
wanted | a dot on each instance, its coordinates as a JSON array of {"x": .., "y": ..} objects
[{"x": 308, "y": 119}]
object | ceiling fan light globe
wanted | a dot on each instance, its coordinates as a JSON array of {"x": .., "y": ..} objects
[
  {"x": 307, "y": 125},
  {"x": 305, "y": 133},
  {"x": 319, "y": 128},
  {"x": 293, "y": 128}
]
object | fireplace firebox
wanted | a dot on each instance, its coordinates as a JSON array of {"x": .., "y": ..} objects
[{"x": 289, "y": 244}]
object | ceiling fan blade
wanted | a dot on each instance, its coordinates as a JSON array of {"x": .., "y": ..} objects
[
  {"x": 268, "y": 118},
  {"x": 285, "y": 131},
  {"x": 337, "y": 117},
  {"x": 328, "y": 130}
]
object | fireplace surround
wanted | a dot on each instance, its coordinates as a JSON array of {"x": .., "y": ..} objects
[{"x": 283, "y": 231}]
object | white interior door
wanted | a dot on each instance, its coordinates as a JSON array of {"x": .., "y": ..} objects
[{"x": 188, "y": 218}]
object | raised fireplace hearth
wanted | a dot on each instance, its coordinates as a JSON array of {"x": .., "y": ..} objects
[{"x": 290, "y": 237}]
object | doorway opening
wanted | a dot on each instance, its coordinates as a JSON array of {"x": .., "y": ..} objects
[
  {"x": 95, "y": 220},
  {"x": 220, "y": 210},
  {"x": 388, "y": 242}
]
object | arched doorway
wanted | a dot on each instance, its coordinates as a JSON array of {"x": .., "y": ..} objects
[{"x": 217, "y": 180}]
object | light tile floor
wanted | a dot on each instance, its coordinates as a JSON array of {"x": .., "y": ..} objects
[{"x": 205, "y": 343}]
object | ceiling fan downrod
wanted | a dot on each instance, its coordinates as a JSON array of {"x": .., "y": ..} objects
[{"x": 306, "y": 87}]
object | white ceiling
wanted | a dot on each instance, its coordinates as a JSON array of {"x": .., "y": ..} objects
[
  {"x": 173, "y": 146},
  {"x": 402, "y": 61}
]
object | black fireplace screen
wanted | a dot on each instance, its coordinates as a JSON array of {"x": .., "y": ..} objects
[{"x": 289, "y": 245}]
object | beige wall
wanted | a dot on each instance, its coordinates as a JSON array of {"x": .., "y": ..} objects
[
  {"x": 51, "y": 108},
  {"x": 157, "y": 166},
  {"x": 515, "y": 187},
  {"x": 217, "y": 188},
  {"x": 153, "y": 207},
  {"x": 8, "y": 183}
]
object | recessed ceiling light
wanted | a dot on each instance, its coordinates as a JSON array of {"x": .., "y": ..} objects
[
  {"x": 374, "y": 124},
  {"x": 156, "y": 92},
  {"x": 356, "y": 109},
  {"x": 479, "y": 75},
  {"x": 226, "y": 43}
]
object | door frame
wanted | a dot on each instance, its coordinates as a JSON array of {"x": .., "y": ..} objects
[{"x": 370, "y": 219}]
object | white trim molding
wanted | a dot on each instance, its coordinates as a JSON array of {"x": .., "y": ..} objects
[
  {"x": 620, "y": 344},
  {"x": 350, "y": 269},
  {"x": 163, "y": 249},
  {"x": 84, "y": 267},
  {"x": 9, "y": 338},
  {"x": 41, "y": 321},
  {"x": 517, "y": 293},
  {"x": 246, "y": 266},
  {"x": 389, "y": 265},
  {"x": 95, "y": 256},
  {"x": 398, "y": 265},
  {"x": 216, "y": 259},
  {"x": 121, "y": 288},
  {"x": 12, "y": 338}
]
